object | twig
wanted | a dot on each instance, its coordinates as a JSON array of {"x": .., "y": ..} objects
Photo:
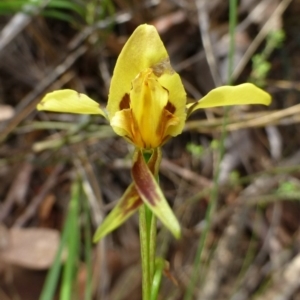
[
  {"x": 185, "y": 173},
  {"x": 93, "y": 193},
  {"x": 260, "y": 37},
  {"x": 17, "y": 23},
  {"x": 224, "y": 255},
  {"x": 18, "y": 189},
  {"x": 204, "y": 29},
  {"x": 38, "y": 199},
  {"x": 285, "y": 116},
  {"x": 29, "y": 102},
  {"x": 285, "y": 283}
]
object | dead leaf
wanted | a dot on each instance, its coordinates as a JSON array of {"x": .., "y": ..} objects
[
  {"x": 6, "y": 112},
  {"x": 31, "y": 248}
]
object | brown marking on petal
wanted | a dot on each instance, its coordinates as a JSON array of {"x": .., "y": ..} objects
[
  {"x": 137, "y": 137},
  {"x": 132, "y": 196},
  {"x": 123, "y": 121},
  {"x": 130, "y": 192},
  {"x": 161, "y": 126},
  {"x": 125, "y": 102},
  {"x": 133, "y": 206},
  {"x": 170, "y": 107},
  {"x": 143, "y": 180},
  {"x": 162, "y": 67},
  {"x": 154, "y": 161},
  {"x": 166, "y": 116},
  {"x": 133, "y": 201},
  {"x": 128, "y": 138}
]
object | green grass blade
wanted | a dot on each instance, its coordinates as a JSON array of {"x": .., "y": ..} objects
[
  {"x": 54, "y": 273},
  {"x": 10, "y": 7},
  {"x": 87, "y": 250},
  {"x": 70, "y": 269},
  {"x": 58, "y": 14},
  {"x": 157, "y": 278},
  {"x": 232, "y": 26},
  {"x": 67, "y": 5}
]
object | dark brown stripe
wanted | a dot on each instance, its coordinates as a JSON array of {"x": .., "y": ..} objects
[
  {"x": 170, "y": 107},
  {"x": 125, "y": 102}
]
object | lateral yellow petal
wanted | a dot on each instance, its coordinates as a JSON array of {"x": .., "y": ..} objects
[
  {"x": 70, "y": 101},
  {"x": 246, "y": 93},
  {"x": 176, "y": 101},
  {"x": 152, "y": 195},
  {"x": 122, "y": 123},
  {"x": 144, "y": 49},
  {"x": 125, "y": 125}
]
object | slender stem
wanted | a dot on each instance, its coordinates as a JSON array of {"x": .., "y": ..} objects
[
  {"x": 232, "y": 26},
  {"x": 148, "y": 244},
  {"x": 144, "y": 241},
  {"x": 152, "y": 246}
]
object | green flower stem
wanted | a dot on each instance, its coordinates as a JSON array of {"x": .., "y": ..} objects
[
  {"x": 152, "y": 245},
  {"x": 148, "y": 249},
  {"x": 144, "y": 241},
  {"x": 147, "y": 225}
]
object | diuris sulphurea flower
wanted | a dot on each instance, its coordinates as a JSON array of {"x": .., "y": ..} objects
[{"x": 147, "y": 106}]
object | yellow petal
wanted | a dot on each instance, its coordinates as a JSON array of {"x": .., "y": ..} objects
[
  {"x": 69, "y": 101},
  {"x": 176, "y": 101},
  {"x": 125, "y": 125},
  {"x": 148, "y": 99},
  {"x": 242, "y": 94},
  {"x": 144, "y": 49}
]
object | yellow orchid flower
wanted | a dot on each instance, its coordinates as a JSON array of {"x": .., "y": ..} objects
[{"x": 147, "y": 106}]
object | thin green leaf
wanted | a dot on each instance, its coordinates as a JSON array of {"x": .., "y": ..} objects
[
  {"x": 70, "y": 270},
  {"x": 53, "y": 275},
  {"x": 52, "y": 278},
  {"x": 160, "y": 265},
  {"x": 53, "y": 13},
  {"x": 69, "y": 5},
  {"x": 87, "y": 251},
  {"x": 9, "y": 7}
]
